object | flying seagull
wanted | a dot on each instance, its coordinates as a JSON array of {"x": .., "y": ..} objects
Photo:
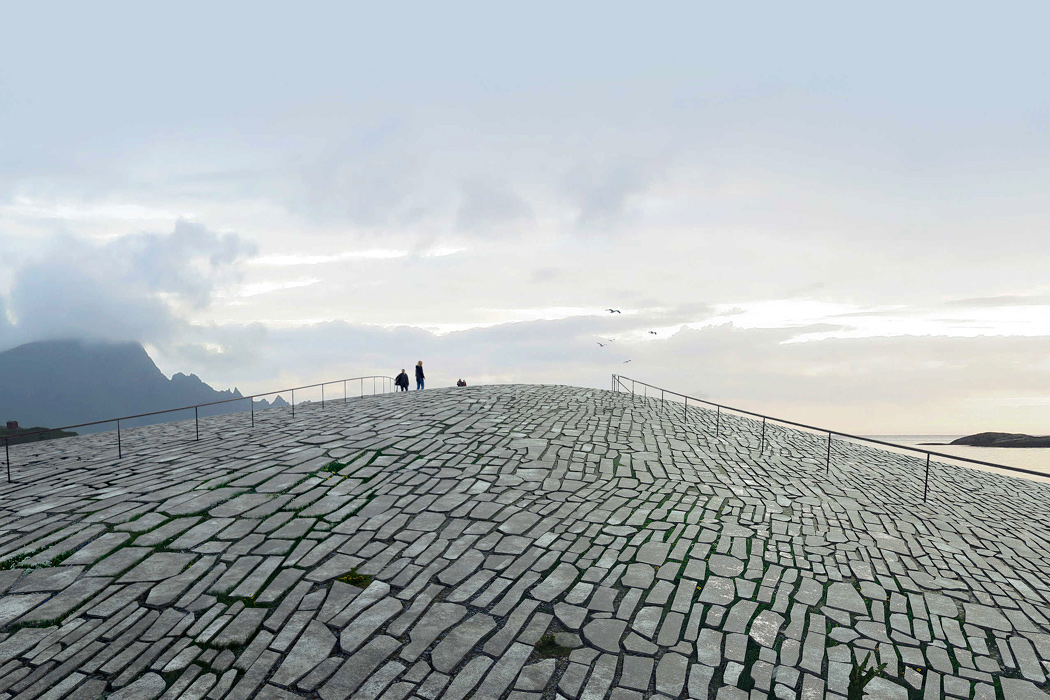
[
  {"x": 613, "y": 311},
  {"x": 652, "y": 332},
  {"x": 626, "y": 361},
  {"x": 601, "y": 345}
]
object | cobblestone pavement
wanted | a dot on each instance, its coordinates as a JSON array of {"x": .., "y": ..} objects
[{"x": 512, "y": 541}]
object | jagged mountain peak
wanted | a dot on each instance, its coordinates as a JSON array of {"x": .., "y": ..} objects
[{"x": 70, "y": 381}]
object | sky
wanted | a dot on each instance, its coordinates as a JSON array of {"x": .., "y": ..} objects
[{"x": 823, "y": 211}]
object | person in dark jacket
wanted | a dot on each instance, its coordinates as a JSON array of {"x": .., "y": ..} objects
[
  {"x": 419, "y": 375},
  {"x": 401, "y": 381}
]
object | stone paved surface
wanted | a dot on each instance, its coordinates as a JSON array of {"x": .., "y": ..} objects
[{"x": 667, "y": 562}]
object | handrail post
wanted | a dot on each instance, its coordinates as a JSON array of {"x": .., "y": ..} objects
[
  {"x": 926, "y": 483},
  {"x": 632, "y": 387},
  {"x": 718, "y": 419},
  {"x": 120, "y": 449},
  {"x": 252, "y": 402},
  {"x": 322, "y": 397},
  {"x": 362, "y": 387},
  {"x": 827, "y": 465},
  {"x": 762, "y": 440},
  {"x": 373, "y": 386},
  {"x": 293, "y": 403},
  {"x": 7, "y": 452},
  {"x": 685, "y": 409},
  {"x": 196, "y": 424},
  {"x": 344, "y": 391}
]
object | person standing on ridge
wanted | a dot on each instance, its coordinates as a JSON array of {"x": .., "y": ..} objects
[
  {"x": 419, "y": 375},
  {"x": 401, "y": 381}
]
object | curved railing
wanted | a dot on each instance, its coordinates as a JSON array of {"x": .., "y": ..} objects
[
  {"x": 618, "y": 383},
  {"x": 196, "y": 411}
]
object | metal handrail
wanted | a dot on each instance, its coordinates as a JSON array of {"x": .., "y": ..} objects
[
  {"x": 618, "y": 381},
  {"x": 195, "y": 407}
]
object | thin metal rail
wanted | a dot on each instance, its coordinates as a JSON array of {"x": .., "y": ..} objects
[
  {"x": 618, "y": 382},
  {"x": 196, "y": 407}
]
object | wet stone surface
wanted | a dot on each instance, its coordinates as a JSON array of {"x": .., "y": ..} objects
[{"x": 512, "y": 542}]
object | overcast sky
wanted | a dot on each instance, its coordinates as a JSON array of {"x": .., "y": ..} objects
[{"x": 831, "y": 212}]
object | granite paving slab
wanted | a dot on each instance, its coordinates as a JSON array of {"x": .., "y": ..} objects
[{"x": 513, "y": 542}]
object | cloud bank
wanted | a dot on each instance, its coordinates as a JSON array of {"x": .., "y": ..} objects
[{"x": 134, "y": 287}]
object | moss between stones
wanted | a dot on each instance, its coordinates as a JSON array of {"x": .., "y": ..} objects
[
  {"x": 355, "y": 579},
  {"x": 548, "y": 648},
  {"x": 333, "y": 467},
  {"x": 860, "y": 676}
]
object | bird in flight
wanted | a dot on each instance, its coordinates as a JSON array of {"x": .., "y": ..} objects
[
  {"x": 613, "y": 311},
  {"x": 626, "y": 361},
  {"x": 652, "y": 332},
  {"x": 601, "y": 345}
]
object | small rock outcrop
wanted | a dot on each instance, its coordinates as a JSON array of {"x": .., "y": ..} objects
[{"x": 1003, "y": 440}]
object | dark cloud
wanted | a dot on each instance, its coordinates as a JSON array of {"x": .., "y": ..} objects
[
  {"x": 130, "y": 288},
  {"x": 489, "y": 207},
  {"x": 370, "y": 195},
  {"x": 601, "y": 191},
  {"x": 75, "y": 297},
  {"x": 189, "y": 262},
  {"x": 371, "y": 175}
]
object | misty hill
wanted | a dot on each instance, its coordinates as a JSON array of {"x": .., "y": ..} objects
[
  {"x": 66, "y": 382},
  {"x": 1003, "y": 440}
]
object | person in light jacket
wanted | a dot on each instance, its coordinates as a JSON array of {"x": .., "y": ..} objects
[{"x": 419, "y": 375}]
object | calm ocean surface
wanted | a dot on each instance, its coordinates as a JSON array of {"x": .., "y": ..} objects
[{"x": 1034, "y": 458}]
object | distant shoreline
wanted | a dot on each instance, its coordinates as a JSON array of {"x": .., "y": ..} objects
[{"x": 1034, "y": 459}]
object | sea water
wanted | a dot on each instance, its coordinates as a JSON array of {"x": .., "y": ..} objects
[{"x": 1033, "y": 458}]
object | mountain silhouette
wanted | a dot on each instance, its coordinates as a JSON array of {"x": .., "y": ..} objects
[{"x": 65, "y": 382}]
